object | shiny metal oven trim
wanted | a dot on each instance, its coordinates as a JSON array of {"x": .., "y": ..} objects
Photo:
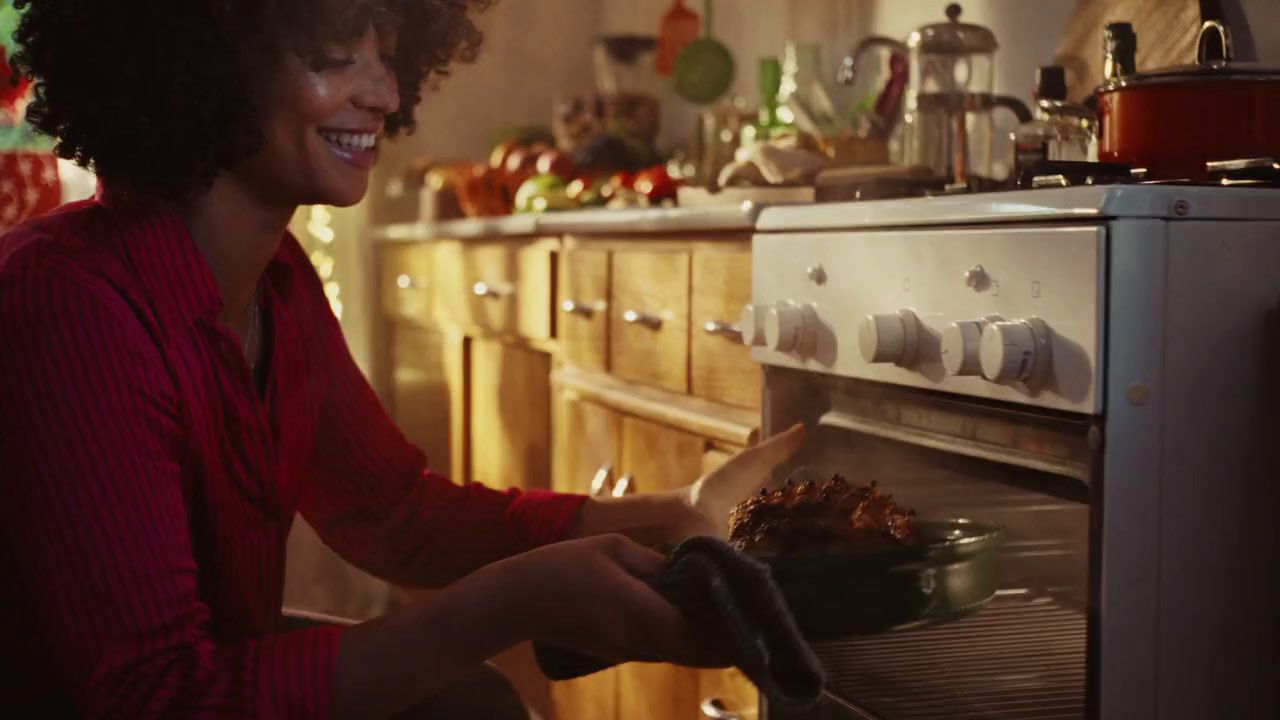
[
  {"x": 957, "y": 446},
  {"x": 1128, "y": 522}
]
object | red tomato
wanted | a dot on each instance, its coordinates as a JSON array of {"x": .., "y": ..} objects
[
  {"x": 555, "y": 162},
  {"x": 655, "y": 184},
  {"x": 616, "y": 181}
]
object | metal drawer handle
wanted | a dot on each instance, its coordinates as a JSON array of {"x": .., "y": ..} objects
[
  {"x": 714, "y": 709},
  {"x": 408, "y": 282},
  {"x": 573, "y": 307},
  {"x": 723, "y": 329},
  {"x": 497, "y": 290},
  {"x": 635, "y": 317},
  {"x": 602, "y": 482},
  {"x": 626, "y": 485}
]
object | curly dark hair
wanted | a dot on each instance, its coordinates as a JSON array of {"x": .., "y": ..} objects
[{"x": 160, "y": 96}]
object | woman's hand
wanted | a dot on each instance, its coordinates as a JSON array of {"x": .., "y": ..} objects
[
  {"x": 593, "y": 595},
  {"x": 698, "y": 509},
  {"x": 714, "y": 495},
  {"x": 590, "y": 595}
]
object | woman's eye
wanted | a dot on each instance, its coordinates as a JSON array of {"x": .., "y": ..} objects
[{"x": 332, "y": 62}]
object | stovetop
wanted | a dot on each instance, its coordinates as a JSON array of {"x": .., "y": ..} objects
[
  {"x": 1249, "y": 172},
  {"x": 1084, "y": 203}
]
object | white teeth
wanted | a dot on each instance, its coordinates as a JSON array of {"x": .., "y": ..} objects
[{"x": 350, "y": 141}]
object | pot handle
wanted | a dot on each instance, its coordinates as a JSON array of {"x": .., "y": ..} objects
[
  {"x": 1214, "y": 44},
  {"x": 1013, "y": 105}
]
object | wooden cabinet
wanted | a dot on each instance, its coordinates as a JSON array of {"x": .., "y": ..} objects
[
  {"x": 548, "y": 363},
  {"x": 510, "y": 389},
  {"x": 720, "y": 366},
  {"x": 583, "y": 324},
  {"x": 730, "y": 686},
  {"x": 587, "y": 440},
  {"x": 407, "y": 282},
  {"x": 658, "y": 458},
  {"x": 736, "y": 693},
  {"x": 502, "y": 288},
  {"x": 426, "y": 398},
  {"x": 652, "y": 457},
  {"x": 649, "y": 319}
]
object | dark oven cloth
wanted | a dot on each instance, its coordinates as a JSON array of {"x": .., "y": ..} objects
[{"x": 732, "y": 599}]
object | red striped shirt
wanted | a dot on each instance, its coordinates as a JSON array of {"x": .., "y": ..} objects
[{"x": 148, "y": 487}]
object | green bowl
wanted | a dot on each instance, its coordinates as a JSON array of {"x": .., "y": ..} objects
[{"x": 836, "y": 594}]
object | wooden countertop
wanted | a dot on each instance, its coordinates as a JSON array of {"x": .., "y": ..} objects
[{"x": 646, "y": 221}]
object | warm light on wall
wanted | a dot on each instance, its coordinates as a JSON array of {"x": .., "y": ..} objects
[{"x": 318, "y": 227}]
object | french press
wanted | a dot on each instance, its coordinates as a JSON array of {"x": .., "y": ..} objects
[{"x": 948, "y": 123}]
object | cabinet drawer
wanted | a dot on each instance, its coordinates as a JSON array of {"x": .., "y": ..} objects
[
  {"x": 407, "y": 279},
  {"x": 583, "y": 304},
  {"x": 720, "y": 366},
  {"x": 503, "y": 288},
  {"x": 649, "y": 319}
]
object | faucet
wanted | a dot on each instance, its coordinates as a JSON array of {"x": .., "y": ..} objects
[{"x": 849, "y": 66}]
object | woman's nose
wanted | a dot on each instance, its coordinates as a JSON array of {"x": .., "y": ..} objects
[{"x": 379, "y": 89}]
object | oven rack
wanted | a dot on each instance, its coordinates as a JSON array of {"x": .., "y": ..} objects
[{"x": 1023, "y": 657}]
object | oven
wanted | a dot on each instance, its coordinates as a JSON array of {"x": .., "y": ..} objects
[{"x": 1087, "y": 367}]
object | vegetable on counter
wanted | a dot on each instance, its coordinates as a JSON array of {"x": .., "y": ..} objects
[
  {"x": 543, "y": 193},
  {"x": 656, "y": 184}
]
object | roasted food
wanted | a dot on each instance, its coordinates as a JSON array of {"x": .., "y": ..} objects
[{"x": 806, "y": 515}]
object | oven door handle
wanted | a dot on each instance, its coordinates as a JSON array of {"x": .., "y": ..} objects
[{"x": 714, "y": 709}]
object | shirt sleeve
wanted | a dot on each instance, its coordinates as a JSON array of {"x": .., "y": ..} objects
[
  {"x": 95, "y": 516},
  {"x": 370, "y": 497}
]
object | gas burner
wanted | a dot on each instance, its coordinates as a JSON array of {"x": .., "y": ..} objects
[
  {"x": 1063, "y": 173},
  {"x": 1253, "y": 172},
  {"x": 1247, "y": 172}
]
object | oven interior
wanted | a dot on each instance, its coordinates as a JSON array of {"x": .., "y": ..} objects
[{"x": 1024, "y": 655}]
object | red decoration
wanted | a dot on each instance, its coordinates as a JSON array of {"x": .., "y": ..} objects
[
  {"x": 11, "y": 95},
  {"x": 29, "y": 186}
]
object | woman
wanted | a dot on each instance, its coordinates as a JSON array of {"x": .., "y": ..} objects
[{"x": 173, "y": 388}]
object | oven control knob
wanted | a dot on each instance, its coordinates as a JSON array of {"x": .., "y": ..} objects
[
  {"x": 1015, "y": 351},
  {"x": 751, "y": 322},
  {"x": 790, "y": 327},
  {"x": 961, "y": 345},
  {"x": 890, "y": 338}
]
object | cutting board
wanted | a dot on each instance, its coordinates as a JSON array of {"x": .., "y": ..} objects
[{"x": 1166, "y": 32}]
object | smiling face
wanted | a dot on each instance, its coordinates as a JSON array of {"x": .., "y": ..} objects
[{"x": 322, "y": 124}]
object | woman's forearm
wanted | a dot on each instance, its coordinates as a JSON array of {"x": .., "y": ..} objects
[{"x": 391, "y": 663}]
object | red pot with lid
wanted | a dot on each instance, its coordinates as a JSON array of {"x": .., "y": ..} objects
[{"x": 1171, "y": 122}]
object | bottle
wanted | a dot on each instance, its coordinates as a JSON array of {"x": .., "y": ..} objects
[
  {"x": 1120, "y": 51},
  {"x": 769, "y": 122},
  {"x": 1059, "y": 130},
  {"x": 803, "y": 98}
]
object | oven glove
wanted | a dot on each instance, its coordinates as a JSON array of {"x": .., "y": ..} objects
[{"x": 733, "y": 600}]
